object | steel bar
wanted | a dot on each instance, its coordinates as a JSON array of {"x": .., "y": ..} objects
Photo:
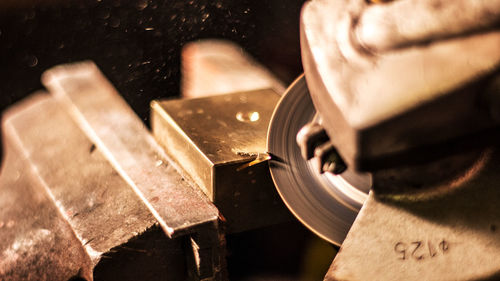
[{"x": 124, "y": 140}]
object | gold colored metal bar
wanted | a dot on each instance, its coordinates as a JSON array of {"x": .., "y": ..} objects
[{"x": 210, "y": 138}]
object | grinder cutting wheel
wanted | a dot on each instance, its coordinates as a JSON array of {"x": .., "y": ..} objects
[
  {"x": 326, "y": 203},
  {"x": 391, "y": 88}
]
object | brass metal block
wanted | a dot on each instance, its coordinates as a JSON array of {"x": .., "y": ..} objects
[{"x": 210, "y": 138}]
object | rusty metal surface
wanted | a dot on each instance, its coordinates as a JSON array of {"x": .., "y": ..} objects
[
  {"x": 85, "y": 186},
  {"x": 214, "y": 67},
  {"x": 423, "y": 92},
  {"x": 210, "y": 138},
  {"x": 122, "y": 138},
  {"x": 111, "y": 226},
  {"x": 36, "y": 241},
  {"x": 451, "y": 236}
]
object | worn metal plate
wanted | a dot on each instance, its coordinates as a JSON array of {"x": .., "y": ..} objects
[
  {"x": 36, "y": 241},
  {"x": 87, "y": 189},
  {"x": 107, "y": 220},
  {"x": 454, "y": 236},
  {"x": 125, "y": 142},
  {"x": 326, "y": 203}
]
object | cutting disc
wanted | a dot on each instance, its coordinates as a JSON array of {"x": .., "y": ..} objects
[{"x": 326, "y": 203}]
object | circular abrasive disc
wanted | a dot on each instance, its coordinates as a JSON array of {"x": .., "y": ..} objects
[{"x": 326, "y": 203}]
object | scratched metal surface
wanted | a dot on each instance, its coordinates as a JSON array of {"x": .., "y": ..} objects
[
  {"x": 211, "y": 138},
  {"x": 36, "y": 241},
  {"x": 87, "y": 189},
  {"x": 206, "y": 133},
  {"x": 108, "y": 121},
  {"x": 454, "y": 236},
  {"x": 114, "y": 229}
]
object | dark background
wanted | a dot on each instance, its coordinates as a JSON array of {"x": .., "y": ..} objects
[{"x": 137, "y": 43}]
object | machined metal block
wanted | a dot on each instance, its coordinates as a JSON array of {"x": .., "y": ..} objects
[
  {"x": 450, "y": 234},
  {"x": 211, "y": 138}
]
